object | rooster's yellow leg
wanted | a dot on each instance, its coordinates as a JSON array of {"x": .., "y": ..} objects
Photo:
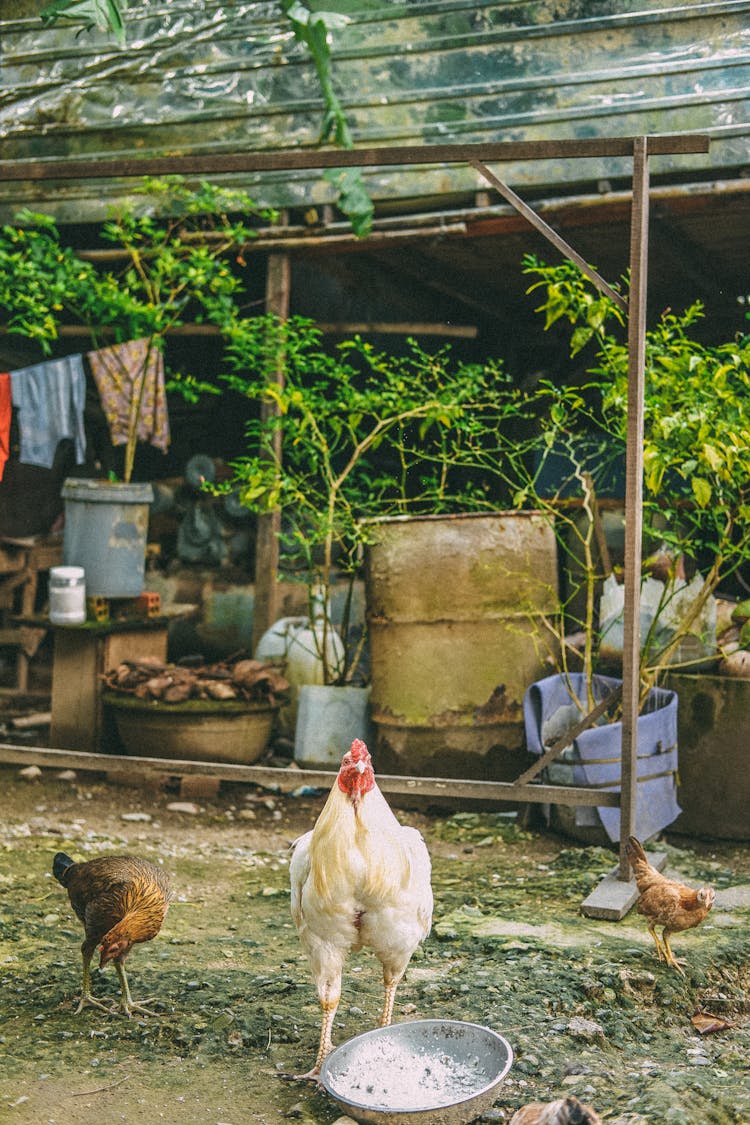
[
  {"x": 391, "y": 984},
  {"x": 86, "y": 996},
  {"x": 127, "y": 1004},
  {"x": 670, "y": 957},
  {"x": 329, "y": 994}
]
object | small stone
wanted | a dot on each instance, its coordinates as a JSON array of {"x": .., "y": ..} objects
[
  {"x": 136, "y": 817},
  {"x": 30, "y": 773},
  {"x": 66, "y": 775},
  {"x": 575, "y": 1067},
  {"x": 588, "y": 1030},
  {"x": 247, "y": 814},
  {"x": 187, "y": 807}
]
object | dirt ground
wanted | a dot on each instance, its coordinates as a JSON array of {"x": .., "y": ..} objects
[{"x": 585, "y": 1005}]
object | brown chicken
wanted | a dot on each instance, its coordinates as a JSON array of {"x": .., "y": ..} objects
[
  {"x": 120, "y": 900},
  {"x": 566, "y": 1111},
  {"x": 666, "y": 903}
]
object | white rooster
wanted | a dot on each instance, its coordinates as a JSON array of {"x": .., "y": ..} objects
[{"x": 359, "y": 879}]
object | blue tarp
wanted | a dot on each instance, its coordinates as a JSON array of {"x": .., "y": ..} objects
[{"x": 594, "y": 757}]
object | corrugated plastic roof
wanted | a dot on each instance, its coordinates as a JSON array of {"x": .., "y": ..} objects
[{"x": 210, "y": 77}]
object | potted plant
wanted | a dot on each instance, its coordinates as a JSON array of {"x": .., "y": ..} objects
[
  {"x": 216, "y": 712},
  {"x": 695, "y": 504},
  {"x": 169, "y": 262},
  {"x": 367, "y": 437}
]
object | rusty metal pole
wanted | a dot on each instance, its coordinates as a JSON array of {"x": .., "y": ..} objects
[{"x": 634, "y": 495}]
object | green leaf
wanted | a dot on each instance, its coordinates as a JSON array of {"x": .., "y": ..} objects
[
  {"x": 104, "y": 14},
  {"x": 702, "y": 491},
  {"x": 353, "y": 198}
]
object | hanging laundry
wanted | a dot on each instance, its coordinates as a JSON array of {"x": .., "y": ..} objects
[
  {"x": 6, "y": 410},
  {"x": 130, "y": 380},
  {"x": 50, "y": 398}
]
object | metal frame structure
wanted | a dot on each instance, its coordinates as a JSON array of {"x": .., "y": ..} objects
[{"x": 640, "y": 149}]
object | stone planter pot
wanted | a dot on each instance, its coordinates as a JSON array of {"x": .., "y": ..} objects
[
  {"x": 714, "y": 778},
  {"x": 198, "y": 730},
  {"x": 594, "y": 758}
]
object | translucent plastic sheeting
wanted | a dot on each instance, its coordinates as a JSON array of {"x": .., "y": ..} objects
[{"x": 205, "y": 77}]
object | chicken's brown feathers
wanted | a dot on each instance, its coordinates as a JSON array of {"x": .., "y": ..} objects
[
  {"x": 120, "y": 900},
  {"x": 642, "y": 869}
]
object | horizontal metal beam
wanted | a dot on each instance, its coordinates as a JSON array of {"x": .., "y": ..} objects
[
  {"x": 288, "y": 779},
  {"x": 285, "y": 160}
]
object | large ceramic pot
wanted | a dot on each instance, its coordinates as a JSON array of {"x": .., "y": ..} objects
[
  {"x": 198, "y": 730},
  {"x": 594, "y": 757},
  {"x": 455, "y": 609}
]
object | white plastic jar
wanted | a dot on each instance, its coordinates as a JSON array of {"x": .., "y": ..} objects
[{"x": 67, "y": 595}]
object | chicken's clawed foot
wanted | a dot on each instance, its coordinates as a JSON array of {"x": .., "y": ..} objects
[
  {"x": 311, "y": 1076},
  {"x": 87, "y": 1000},
  {"x": 670, "y": 957},
  {"x": 127, "y": 1008}
]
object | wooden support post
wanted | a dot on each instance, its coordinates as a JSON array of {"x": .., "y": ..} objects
[
  {"x": 631, "y": 648},
  {"x": 265, "y": 610},
  {"x": 617, "y": 892}
]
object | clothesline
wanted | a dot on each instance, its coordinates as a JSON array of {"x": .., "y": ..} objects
[{"x": 50, "y": 398}]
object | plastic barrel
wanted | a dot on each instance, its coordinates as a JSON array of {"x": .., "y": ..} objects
[{"x": 106, "y": 526}]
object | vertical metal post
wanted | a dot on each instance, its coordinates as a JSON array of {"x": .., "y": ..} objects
[
  {"x": 634, "y": 494},
  {"x": 265, "y": 606}
]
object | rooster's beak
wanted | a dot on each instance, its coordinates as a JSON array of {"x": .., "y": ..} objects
[{"x": 360, "y": 767}]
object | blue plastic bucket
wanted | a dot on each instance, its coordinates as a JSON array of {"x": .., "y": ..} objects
[{"x": 106, "y": 527}]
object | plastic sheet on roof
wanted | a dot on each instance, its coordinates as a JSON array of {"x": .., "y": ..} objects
[{"x": 204, "y": 77}]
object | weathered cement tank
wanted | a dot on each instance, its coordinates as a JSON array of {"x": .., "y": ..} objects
[{"x": 456, "y": 620}]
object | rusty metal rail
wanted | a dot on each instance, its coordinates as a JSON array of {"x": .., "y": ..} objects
[{"x": 286, "y": 780}]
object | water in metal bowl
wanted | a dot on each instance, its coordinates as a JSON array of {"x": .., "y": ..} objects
[{"x": 426, "y": 1072}]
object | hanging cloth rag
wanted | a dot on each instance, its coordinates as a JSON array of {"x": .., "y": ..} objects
[
  {"x": 6, "y": 410},
  {"x": 130, "y": 380},
  {"x": 50, "y": 398}
]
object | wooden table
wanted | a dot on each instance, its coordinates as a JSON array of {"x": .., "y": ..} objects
[{"x": 83, "y": 653}]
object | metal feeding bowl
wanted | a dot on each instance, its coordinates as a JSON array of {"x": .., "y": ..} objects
[{"x": 426, "y": 1072}]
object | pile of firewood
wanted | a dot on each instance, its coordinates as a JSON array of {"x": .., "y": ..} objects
[{"x": 240, "y": 679}]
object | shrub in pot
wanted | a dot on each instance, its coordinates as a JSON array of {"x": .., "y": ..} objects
[
  {"x": 365, "y": 436},
  {"x": 697, "y": 468}
]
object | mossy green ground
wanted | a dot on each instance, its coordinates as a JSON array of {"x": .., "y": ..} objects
[{"x": 585, "y": 1004}]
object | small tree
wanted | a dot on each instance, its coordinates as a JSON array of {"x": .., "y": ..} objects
[
  {"x": 696, "y": 498},
  {"x": 173, "y": 264},
  {"x": 365, "y": 435}
]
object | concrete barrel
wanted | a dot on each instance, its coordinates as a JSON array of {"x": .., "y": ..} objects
[{"x": 455, "y": 611}]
